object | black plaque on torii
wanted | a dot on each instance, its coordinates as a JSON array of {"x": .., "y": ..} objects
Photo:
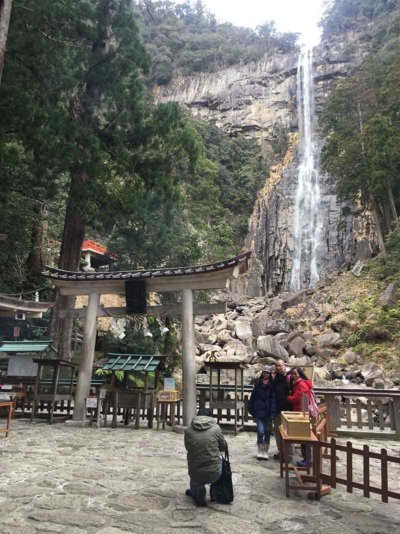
[{"x": 135, "y": 294}]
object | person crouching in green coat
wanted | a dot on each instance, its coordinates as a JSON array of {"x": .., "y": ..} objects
[{"x": 203, "y": 441}]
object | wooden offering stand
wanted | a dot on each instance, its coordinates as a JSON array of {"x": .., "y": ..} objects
[{"x": 296, "y": 430}]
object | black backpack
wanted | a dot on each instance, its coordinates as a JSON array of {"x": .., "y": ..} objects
[{"x": 222, "y": 490}]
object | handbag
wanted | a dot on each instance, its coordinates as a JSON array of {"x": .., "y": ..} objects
[
  {"x": 222, "y": 490},
  {"x": 313, "y": 406}
]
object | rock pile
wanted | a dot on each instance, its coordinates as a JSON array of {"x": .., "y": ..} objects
[{"x": 294, "y": 327}]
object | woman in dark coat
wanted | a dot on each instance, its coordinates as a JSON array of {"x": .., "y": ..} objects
[{"x": 262, "y": 408}]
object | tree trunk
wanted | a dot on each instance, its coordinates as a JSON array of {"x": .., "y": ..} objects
[
  {"x": 35, "y": 259},
  {"x": 378, "y": 226},
  {"x": 392, "y": 204},
  {"x": 73, "y": 235},
  {"x": 5, "y": 14}
]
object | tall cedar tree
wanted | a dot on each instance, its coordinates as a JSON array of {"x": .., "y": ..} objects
[{"x": 77, "y": 107}]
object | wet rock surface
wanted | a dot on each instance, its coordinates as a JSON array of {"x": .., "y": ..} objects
[{"x": 110, "y": 481}]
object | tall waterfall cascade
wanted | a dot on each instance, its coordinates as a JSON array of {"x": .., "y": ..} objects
[{"x": 307, "y": 223}]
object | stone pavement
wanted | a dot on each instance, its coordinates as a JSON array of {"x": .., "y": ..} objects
[{"x": 110, "y": 481}]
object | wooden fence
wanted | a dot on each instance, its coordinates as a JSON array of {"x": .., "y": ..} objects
[
  {"x": 362, "y": 412},
  {"x": 351, "y": 412},
  {"x": 385, "y": 462}
]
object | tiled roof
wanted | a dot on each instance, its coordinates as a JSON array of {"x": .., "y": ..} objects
[
  {"x": 131, "y": 362},
  {"x": 57, "y": 274}
]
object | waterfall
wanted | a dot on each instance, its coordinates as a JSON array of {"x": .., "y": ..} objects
[{"x": 307, "y": 222}]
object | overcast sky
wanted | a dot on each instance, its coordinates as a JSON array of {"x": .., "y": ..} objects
[{"x": 290, "y": 15}]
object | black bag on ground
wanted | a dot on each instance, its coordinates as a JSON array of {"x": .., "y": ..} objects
[{"x": 222, "y": 490}]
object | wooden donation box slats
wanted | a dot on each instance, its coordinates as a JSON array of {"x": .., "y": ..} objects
[
  {"x": 169, "y": 396},
  {"x": 296, "y": 424}
]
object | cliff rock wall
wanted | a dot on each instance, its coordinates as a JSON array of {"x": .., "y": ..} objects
[{"x": 254, "y": 100}]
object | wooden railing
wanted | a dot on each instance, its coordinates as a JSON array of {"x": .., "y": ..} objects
[
  {"x": 333, "y": 474},
  {"x": 353, "y": 412},
  {"x": 362, "y": 412}
]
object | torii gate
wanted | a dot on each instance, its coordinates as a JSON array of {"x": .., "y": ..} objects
[{"x": 185, "y": 279}]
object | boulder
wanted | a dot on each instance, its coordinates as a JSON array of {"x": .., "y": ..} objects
[
  {"x": 269, "y": 346},
  {"x": 329, "y": 339},
  {"x": 220, "y": 323},
  {"x": 293, "y": 299},
  {"x": 276, "y": 305},
  {"x": 298, "y": 362},
  {"x": 242, "y": 329},
  {"x": 224, "y": 336},
  {"x": 350, "y": 357},
  {"x": 201, "y": 337},
  {"x": 276, "y": 326},
  {"x": 395, "y": 377},
  {"x": 338, "y": 322},
  {"x": 237, "y": 351},
  {"x": 296, "y": 347},
  {"x": 208, "y": 337},
  {"x": 283, "y": 339},
  {"x": 370, "y": 372},
  {"x": 390, "y": 296},
  {"x": 264, "y": 324},
  {"x": 358, "y": 267},
  {"x": 321, "y": 373},
  {"x": 231, "y": 316},
  {"x": 309, "y": 349},
  {"x": 293, "y": 335},
  {"x": 258, "y": 323}
]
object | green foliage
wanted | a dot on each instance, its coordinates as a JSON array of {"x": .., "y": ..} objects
[
  {"x": 207, "y": 218},
  {"x": 343, "y": 15},
  {"x": 362, "y": 129},
  {"x": 187, "y": 36},
  {"x": 389, "y": 265}
]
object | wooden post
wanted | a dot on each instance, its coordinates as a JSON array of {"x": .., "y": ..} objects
[
  {"x": 86, "y": 363},
  {"x": 349, "y": 466},
  {"x": 396, "y": 414},
  {"x": 188, "y": 361},
  {"x": 366, "y": 470},
  {"x": 384, "y": 475},
  {"x": 333, "y": 463}
]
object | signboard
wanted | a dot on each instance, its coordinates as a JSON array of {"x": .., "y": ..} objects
[
  {"x": 169, "y": 384},
  {"x": 91, "y": 402},
  {"x": 5, "y": 396}
]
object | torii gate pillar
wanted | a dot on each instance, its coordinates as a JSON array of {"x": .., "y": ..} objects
[
  {"x": 86, "y": 363},
  {"x": 188, "y": 361}
]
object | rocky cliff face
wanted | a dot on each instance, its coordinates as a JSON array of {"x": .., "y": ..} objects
[{"x": 254, "y": 100}]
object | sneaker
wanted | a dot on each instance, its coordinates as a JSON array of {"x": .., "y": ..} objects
[
  {"x": 265, "y": 455},
  {"x": 188, "y": 493},
  {"x": 260, "y": 452},
  {"x": 277, "y": 456},
  {"x": 302, "y": 463}
]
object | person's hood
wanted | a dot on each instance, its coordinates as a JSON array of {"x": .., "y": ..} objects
[{"x": 202, "y": 422}]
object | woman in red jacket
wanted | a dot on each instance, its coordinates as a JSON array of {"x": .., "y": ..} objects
[{"x": 302, "y": 386}]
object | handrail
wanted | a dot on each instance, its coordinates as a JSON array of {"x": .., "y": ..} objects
[{"x": 361, "y": 392}]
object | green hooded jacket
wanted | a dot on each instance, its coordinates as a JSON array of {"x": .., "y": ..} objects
[{"x": 204, "y": 441}]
